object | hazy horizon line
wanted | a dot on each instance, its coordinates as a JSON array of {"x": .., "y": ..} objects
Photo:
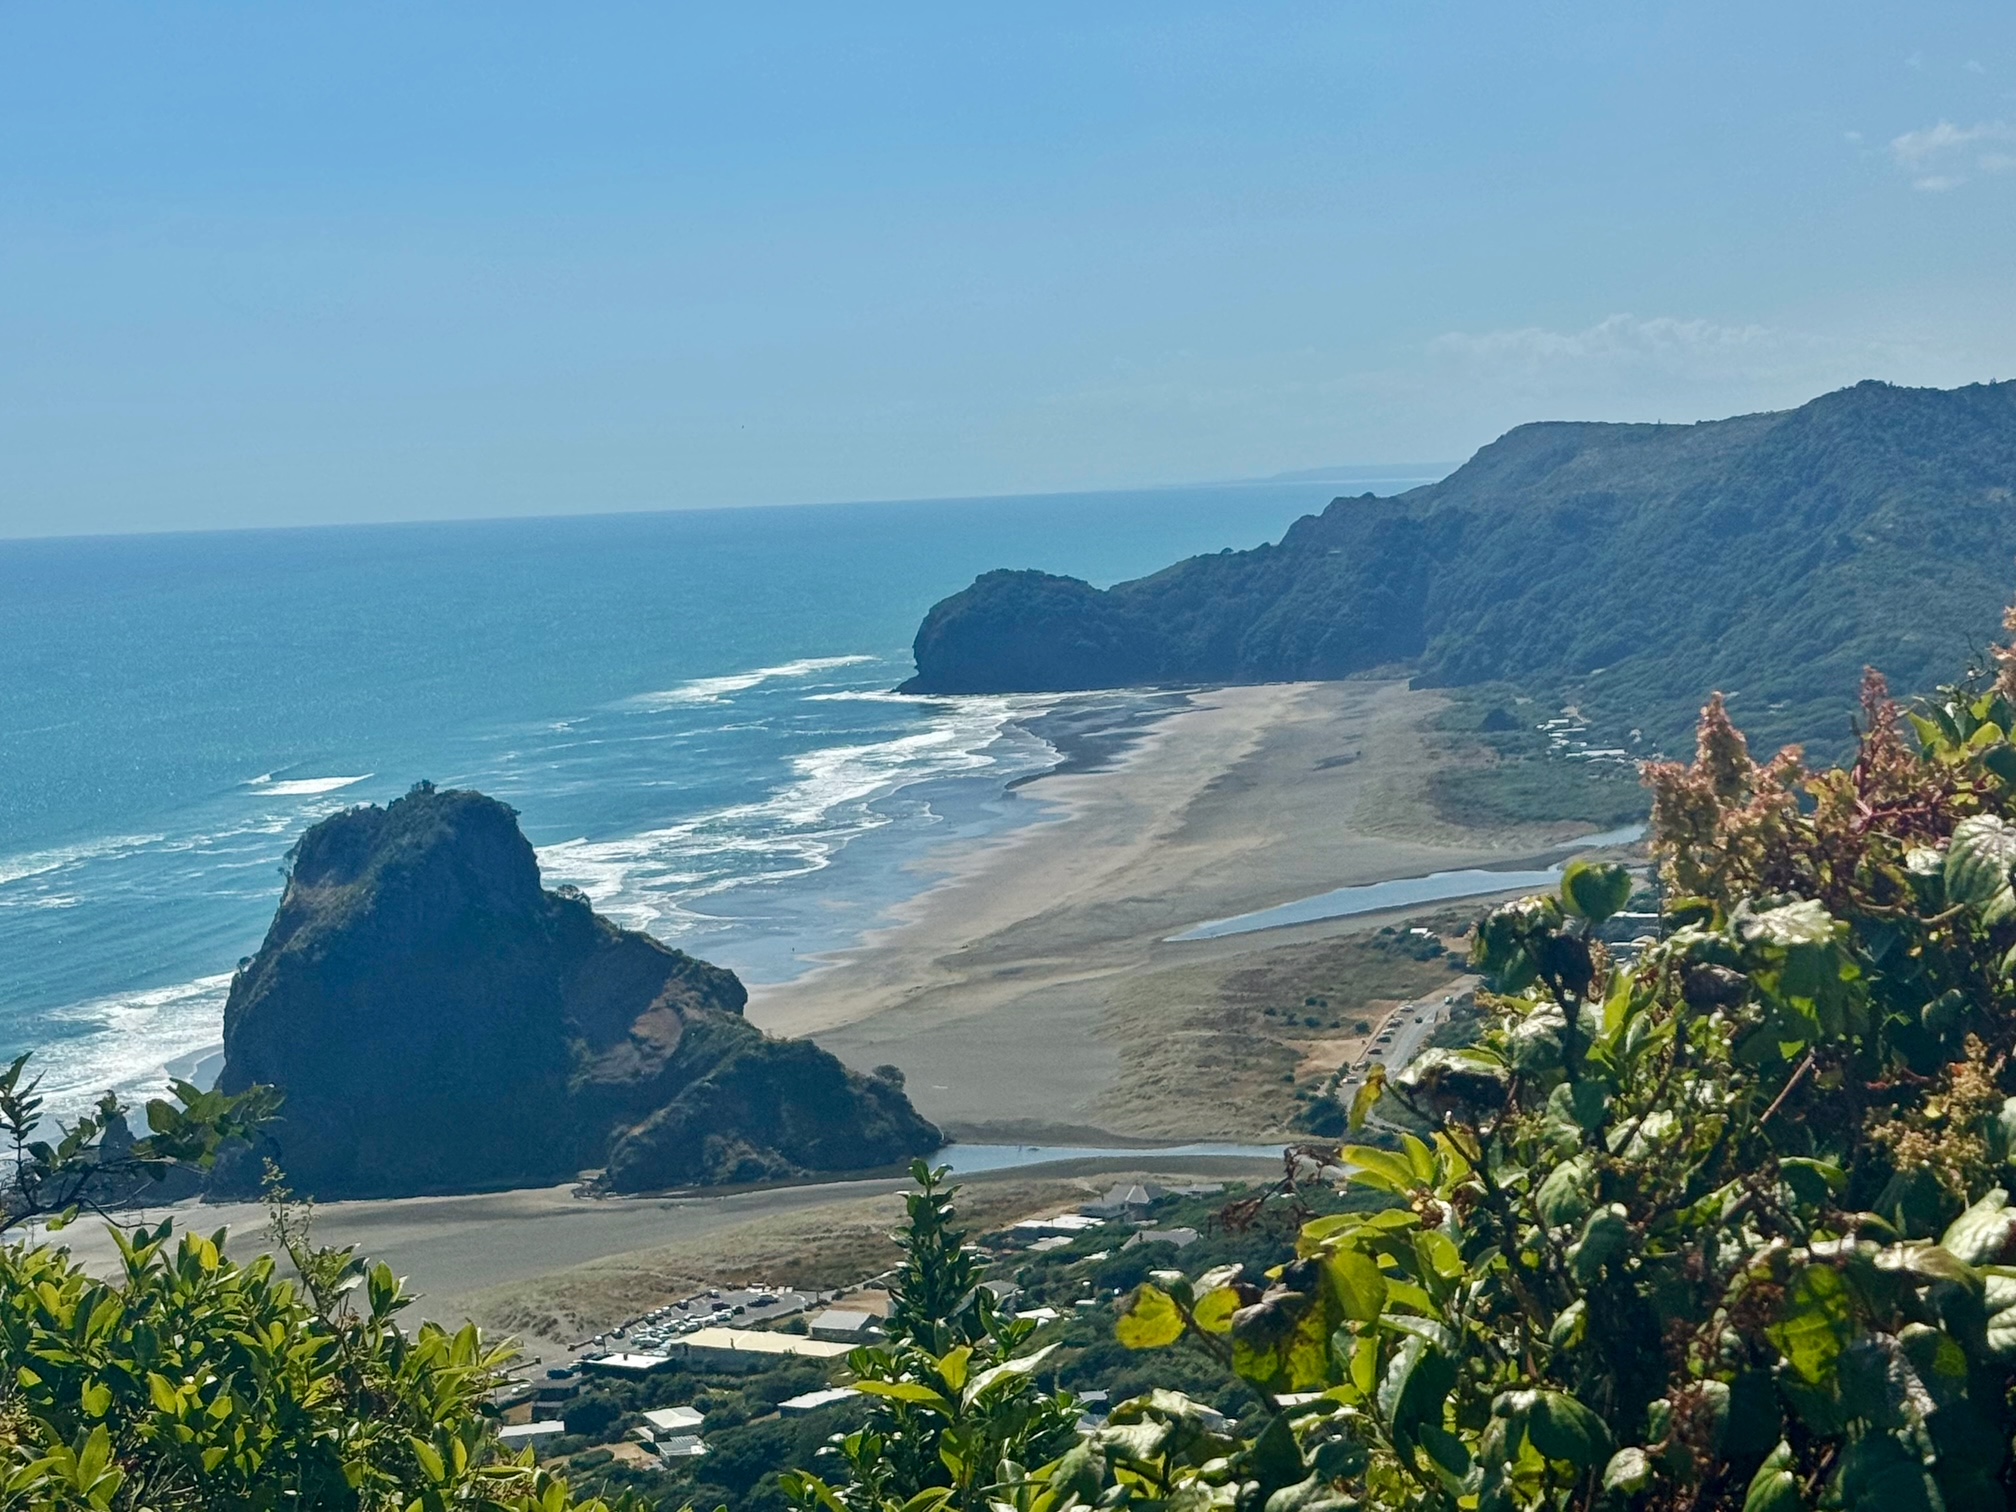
[{"x": 1412, "y": 473}]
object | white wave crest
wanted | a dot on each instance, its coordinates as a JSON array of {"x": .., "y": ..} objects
[
  {"x": 653, "y": 880},
  {"x": 707, "y": 690},
  {"x": 128, "y": 1041},
  {"x": 302, "y": 787},
  {"x": 872, "y": 695},
  {"x": 18, "y": 868}
]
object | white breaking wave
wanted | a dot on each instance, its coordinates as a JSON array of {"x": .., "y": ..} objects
[
  {"x": 872, "y": 695},
  {"x": 706, "y": 690},
  {"x": 129, "y": 1039},
  {"x": 19, "y": 868},
  {"x": 652, "y": 880},
  {"x": 303, "y": 787}
]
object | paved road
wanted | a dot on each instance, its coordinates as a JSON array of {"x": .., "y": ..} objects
[{"x": 1413, "y": 1024}]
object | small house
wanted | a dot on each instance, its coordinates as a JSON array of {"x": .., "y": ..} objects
[
  {"x": 627, "y": 1364},
  {"x": 516, "y": 1436},
  {"x": 812, "y": 1401},
  {"x": 665, "y": 1420},
  {"x": 1129, "y": 1200},
  {"x": 843, "y": 1324}
]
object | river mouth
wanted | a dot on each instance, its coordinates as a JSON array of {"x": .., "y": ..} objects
[{"x": 1402, "y": 892}]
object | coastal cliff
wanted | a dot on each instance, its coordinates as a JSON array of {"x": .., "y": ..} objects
[
  {"x": 1631, "y": 568},
  {"x": 439, "y": 1021}
]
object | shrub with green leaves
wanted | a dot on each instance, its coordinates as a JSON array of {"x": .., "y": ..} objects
[
  {"x": 188, "y": 1381},
  {"x": 956, "y": 1411},
  {"x": 1725, "y": 1225}
]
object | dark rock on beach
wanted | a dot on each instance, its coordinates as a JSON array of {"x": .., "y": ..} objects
[{"x": 440, "y": 1022}]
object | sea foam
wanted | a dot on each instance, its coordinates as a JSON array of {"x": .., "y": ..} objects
[
  {"x": 302, "y": 787},
  {"x": 706, "y": 690},
  {"x": 19, "y": 868},
  {"x": 124, "y": 1041},
  {"x": 653, "y": 879}
]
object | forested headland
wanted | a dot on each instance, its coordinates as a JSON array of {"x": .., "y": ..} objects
[{"x": 1630, "y": 570}]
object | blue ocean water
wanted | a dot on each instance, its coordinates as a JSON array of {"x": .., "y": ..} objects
[{"x": 689, "y": 711}]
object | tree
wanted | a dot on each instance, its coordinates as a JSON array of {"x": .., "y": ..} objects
[
  {"x": 1719, "y": 1221},
  {"x": 1723, "y": 1227},
  {"x": 191, "y": 1382},
  {"x": 935, "y": 1300},
  {"x": 95, "y": 1164},
  {"x": 956, "y": 1408}
]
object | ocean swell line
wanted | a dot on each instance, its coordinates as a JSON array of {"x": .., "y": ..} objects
[{"x": 706, "y": 690}]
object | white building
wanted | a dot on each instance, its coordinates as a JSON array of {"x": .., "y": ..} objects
[
  {"x": 751, "y": 1349},
  {"x": 842, "y": 1323},
  {"x": 515, "y": 1436},
  {"x": 674, "y": 1420},
  {"x": 1130, "y": 1200},
  {"x": 812, "y": 1401},
  {"x": 1065, "y": 1225},
  {"x": 627, "y": 1364}
]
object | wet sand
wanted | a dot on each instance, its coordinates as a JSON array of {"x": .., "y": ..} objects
[
  {"x": 1016, "y": 996},
  {"x": 998, "y": 991}
]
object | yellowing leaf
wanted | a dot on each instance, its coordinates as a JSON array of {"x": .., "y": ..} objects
[
  {"x": 1213, "y": 1312},
  {"x": 1149, "y": 1320},
  {"x": 903, "y": 1391}
]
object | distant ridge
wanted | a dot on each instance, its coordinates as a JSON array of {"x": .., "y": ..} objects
[
  {"x": 1367, "y": 472},
  {"x": 1635, "y": 567}
]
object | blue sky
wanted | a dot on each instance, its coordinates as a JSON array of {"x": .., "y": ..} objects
[{"x": 286, "y": 264}]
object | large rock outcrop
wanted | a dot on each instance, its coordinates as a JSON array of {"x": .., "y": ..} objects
[
  {"x": 1630, "y": 568},
  {"x": 440, "y": 1022}
]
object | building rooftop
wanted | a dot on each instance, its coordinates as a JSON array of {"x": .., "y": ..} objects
[
  {"x": 812, "y": 1401},
  {"x": 1063, "y": 1223},
  {"x": 751, "y": 1341},
  {"x": 630, "y": 1364},
  {"x": 674, "y": 1419},
  {"x": 519, "y": 1433},
  {"x": 841, "y": 1320},
  {"x": 1176, "y": 1236}
]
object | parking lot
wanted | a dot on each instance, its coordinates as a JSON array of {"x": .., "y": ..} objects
[{"x": 720, "y": 1307}]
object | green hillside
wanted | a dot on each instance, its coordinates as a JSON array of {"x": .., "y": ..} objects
[{"x": 1630, "y": 569}]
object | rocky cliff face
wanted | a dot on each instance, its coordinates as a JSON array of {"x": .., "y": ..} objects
[
  {"x": 1631, "y": 569},
  {"x": 440, "y": 1022}
]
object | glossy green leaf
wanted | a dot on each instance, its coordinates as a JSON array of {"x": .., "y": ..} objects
[
  {"x": 1774, "y": 1488},
  {"x": 1818, "y": 1323},
  {"x": 1357, "y": 1283},
  {"x": 1366, "y": 1098},
  {"x": 1606, "y": 1238},
  {"x": 1150, "y": 1320},
  {"x": 1813, "y": 1182},
  {"x": 1985, "y": 1233},
  {"x": 1628, "y": 1473},
  {"x": 1563, "y": 1429},
  {"x": 1978, "y": 862},
  {"x": 1214, "y": 1310},
  {"x": 1566, "y": 1195},
  {"x": 1595, "y": 890}
]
